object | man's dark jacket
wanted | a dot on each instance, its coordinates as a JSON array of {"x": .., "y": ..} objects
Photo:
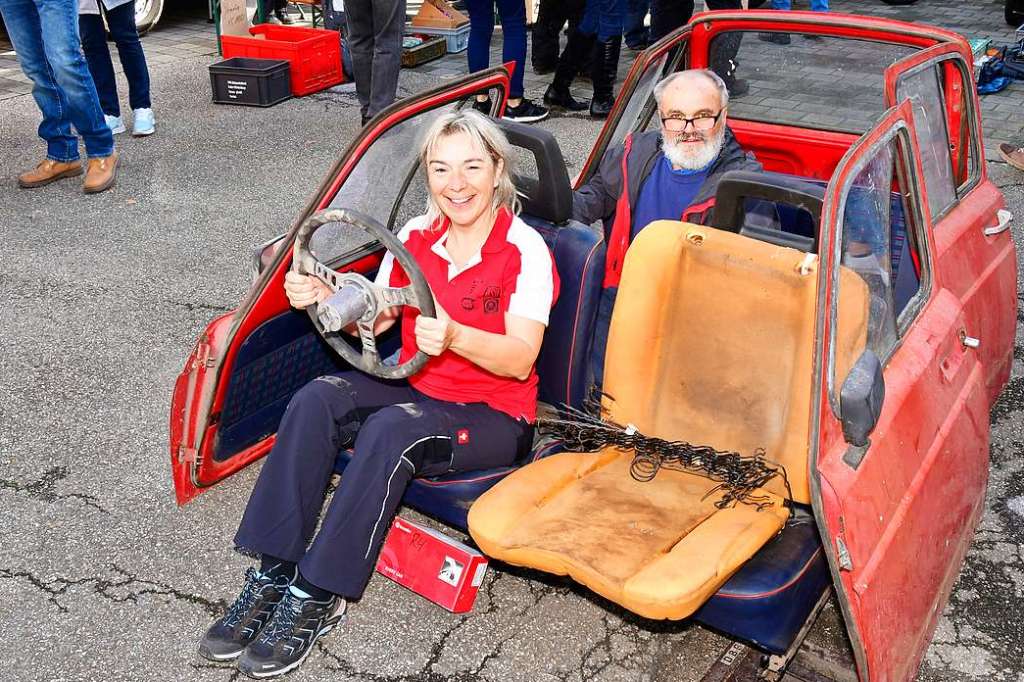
[{"x": 602, "y": 197}]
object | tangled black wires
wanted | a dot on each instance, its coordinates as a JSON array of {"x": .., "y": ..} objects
[{"x": 739, "y": 476}]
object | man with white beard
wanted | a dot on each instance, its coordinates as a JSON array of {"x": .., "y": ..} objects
[{"x": 671, "y": 173}]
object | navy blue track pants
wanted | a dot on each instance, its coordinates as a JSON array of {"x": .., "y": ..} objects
[{"x": 398, "y": 433}]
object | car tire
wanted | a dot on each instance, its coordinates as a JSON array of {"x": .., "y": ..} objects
[
  {"x": 1014, "y": 12},
  {"x": 147, "y": 13}
]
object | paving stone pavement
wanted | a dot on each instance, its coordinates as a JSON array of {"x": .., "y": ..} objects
[{"x": 805, "y": 71}]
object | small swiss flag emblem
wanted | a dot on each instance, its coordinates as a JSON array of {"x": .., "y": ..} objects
[{"x": 462, "y": 437}]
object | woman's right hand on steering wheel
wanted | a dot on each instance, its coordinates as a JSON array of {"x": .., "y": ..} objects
[{"x": 304, "y": 290}]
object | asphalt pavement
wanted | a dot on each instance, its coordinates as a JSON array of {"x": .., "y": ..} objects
[{"x": 103, "y": 577}]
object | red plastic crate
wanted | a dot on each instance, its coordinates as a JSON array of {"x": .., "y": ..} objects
[{"x": 314, "y": 53}]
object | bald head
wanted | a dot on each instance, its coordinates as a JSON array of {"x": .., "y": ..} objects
[{"x": 698, "y": 88}]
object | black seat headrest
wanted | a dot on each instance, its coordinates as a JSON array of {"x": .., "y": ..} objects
[
  {"x": 549, "y": 195},
  {"x": 736, "y": 187}
]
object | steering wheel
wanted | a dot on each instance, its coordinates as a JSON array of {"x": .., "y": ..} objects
[{"x": 357, "y": 299}]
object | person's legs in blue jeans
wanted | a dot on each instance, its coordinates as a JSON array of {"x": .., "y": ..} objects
[
  {"x": 513, "y": 45},
  {"x": 481, "y": 27},
  {"x": 819, "y": 5},
  {"x": 58, "y": 22},
  {"x": 22, "y": 21},
  {"x": 121, "y": 21},
  {"x": 782, "y": 4}
]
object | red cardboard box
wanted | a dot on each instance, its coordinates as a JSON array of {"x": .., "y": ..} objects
[{"x": 432, "y": 565}]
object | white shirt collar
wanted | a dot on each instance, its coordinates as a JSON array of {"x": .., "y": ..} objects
[{"x": 454, "y": 270}]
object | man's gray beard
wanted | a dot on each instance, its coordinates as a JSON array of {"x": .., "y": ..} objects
[{"x": 685, "y": 158}]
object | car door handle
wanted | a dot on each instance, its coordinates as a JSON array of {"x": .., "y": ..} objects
[
  {"x": 1005, "y": 217},
  {"x": 969, "y": 341}
]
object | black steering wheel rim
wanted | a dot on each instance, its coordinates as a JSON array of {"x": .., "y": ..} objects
[{"x": 416, "y": 294}]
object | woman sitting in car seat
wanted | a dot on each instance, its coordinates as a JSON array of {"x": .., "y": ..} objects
[{"x": 471, "y": 407}]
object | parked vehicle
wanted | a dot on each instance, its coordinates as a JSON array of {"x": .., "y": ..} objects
[{"x": 867, "y": 370}]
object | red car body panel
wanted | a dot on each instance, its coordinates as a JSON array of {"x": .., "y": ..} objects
[{"x": 896, "y": 520}]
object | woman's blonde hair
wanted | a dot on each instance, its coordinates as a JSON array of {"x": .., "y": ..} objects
[{"x": 485, "y": 135}]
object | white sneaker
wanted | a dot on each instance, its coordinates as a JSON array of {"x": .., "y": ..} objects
[
  {"x": 115, "y": 123},
  {"x": 143, "y": 123}
]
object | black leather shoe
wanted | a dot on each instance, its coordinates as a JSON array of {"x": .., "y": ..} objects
[
  {"x": 282, "y": 16},
  {"x": 563, "y": 99},
  {"x": 738, "y": 87},
  {"x": 600, "y": 108}
]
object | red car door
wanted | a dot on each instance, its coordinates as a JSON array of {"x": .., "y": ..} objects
[
  {"x": 246, "y": 364},
  {"x": 896, "y": 512},
  {"x": 973, "y": 244}
]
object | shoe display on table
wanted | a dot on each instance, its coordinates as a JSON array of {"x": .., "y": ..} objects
[
  {"x": 245, "y": 619},
  {"x": 777, "y": 38},
  {"x": 143, "y": 123},
  {"x": 49, "y": 171},
  {"x": 562, "y": 99},
  {"x": 298, "y": 622},
  {"x": 525, "y": 112},
  {"x": 100, "y": 174},
  {"x": 115, "y": 123},
  {"x": 1013, "y": 155}
]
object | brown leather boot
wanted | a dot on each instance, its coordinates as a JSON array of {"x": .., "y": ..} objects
[
  {"x": 100, "y": 174},
  {"x": 49, "y": 171},
  {"x": 1012, "y": 155}
]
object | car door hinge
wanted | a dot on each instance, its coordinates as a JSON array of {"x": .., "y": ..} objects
[
  {"x": 203, "y": 358},
  {"x": 186, "y": 455},
  {"x": 845, "y": 563}
]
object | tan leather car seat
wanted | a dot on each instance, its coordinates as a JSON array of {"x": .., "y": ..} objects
[{"x": 712, "y": 342}]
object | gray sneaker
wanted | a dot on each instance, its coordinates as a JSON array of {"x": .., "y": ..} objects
[
  {"x": 297, "y": 624},
  {"x": 245, "y": 618}
]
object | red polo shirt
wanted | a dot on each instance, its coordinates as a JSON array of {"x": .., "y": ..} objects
[{"x": 512, "y": 273}]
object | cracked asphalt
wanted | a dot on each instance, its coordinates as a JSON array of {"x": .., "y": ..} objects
[{"x": 102, "y": 577}]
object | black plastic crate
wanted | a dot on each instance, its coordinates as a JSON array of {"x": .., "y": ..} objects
[{"x": 252, "y": 82}]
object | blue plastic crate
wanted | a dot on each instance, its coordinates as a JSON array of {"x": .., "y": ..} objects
[{"x": 457, "y": 38}]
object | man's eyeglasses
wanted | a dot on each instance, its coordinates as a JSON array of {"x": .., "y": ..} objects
[{"x": 677, "y": 124}]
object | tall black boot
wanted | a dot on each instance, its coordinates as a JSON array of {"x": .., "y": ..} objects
[
  {"x": 576, "y": 50},
  {"x": 606, "y": 67}
]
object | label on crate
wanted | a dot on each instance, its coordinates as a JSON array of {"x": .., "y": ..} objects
[{"x": 236, "y": 89}]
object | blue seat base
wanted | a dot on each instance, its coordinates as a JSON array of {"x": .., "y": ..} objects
[{"x": 770, "y": 598}]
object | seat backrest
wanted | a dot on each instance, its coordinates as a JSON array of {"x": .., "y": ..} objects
[
  {"x": 563, "y": 366},
  {"x": 578, "y": 250},
  {"x": 712, "y": 342}
]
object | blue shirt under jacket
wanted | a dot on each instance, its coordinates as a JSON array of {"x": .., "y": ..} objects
[{"x": 665, "y": 194}]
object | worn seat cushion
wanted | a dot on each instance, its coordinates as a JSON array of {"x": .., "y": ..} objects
[
  {"x": 659, "y": 548},
  {"x": 711, "y": 342}
]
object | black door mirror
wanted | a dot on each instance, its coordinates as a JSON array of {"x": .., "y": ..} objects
[{"x": 861, "y": 398}]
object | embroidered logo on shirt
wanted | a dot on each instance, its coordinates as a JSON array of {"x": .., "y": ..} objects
[
  {"x": 492, "y": 299},
  {"x": 462, "y": 437}
]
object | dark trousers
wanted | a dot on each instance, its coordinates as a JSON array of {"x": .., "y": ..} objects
[
  {"x": 551, "y": 18},
  {"x": 634, "y": 31},
  {"x": 398, "y": 433},
  {"x": 513, "y": 37},
  {"x": 375, "y": 41},
  {"x": 668, "y": 15},
  {"x": 121, "y": 21}
]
